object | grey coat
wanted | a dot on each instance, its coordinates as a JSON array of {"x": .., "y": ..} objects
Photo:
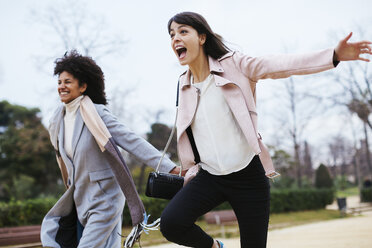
[{"x": 92, "y": 187}]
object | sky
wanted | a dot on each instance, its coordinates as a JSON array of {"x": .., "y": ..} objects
[{"x": 147, "y": 65}]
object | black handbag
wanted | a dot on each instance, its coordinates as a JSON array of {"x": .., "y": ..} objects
[{"x": 163, "y": 185}]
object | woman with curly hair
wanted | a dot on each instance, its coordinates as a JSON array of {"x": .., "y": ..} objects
[
  {"x": 217, "y": 129},
  {"x": 85, "y": 136}
]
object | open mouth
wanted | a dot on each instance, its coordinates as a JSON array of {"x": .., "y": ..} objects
[{"x": 181, "y": 51}]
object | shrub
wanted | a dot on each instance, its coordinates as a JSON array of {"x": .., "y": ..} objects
[
  {"x": 323, "y": 178},
  {"x": 366, "y": 194},
  {"x": 31, "y": 212},
  {"x": 291, "y": 200},
  {"x": 28, "y": 212},
  {"x": 300, "y": 199}
]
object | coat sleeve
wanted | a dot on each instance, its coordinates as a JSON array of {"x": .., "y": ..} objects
[
  {"x": 285, "y": 65},
  {"x": 133, "y": 143}
]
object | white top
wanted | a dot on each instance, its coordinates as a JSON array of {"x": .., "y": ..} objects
[
  {"x": 69, "y": 121},
  {"x": 221, "y": 144}
]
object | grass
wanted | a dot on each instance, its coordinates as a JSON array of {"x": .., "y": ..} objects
[
  {"x": 299, "y": 218},
  {"x": 347, "y": 192},
  {"x": 276, "y": 221}
]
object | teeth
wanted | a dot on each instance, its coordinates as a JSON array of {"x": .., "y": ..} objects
[{"x": 64, "y": 93}]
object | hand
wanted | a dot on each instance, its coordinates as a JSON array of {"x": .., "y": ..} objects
[
  {"x": 176, "y": 171},
  {"x": 191, "y": 173},
  {"x": 352, "y": 50}
]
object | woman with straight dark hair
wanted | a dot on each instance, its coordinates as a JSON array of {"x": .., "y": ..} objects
[{"x": 217, "y": 129}]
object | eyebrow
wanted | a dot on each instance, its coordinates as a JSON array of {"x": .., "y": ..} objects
[{"x": 180, "y": 26}]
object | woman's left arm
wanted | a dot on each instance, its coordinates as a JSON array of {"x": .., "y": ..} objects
[
  {"x": 345, "y": 50},
  {"x": 285, "y": 65},
  {"x": 133, "y": 143}
]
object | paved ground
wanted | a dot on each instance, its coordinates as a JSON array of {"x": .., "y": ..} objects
[{"x": 355, "y": 232}]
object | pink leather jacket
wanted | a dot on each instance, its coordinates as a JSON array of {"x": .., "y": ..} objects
[{"x": 237, "y": 75}]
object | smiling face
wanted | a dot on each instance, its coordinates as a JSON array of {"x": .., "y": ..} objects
[
  {"x": 69, "y": 88},
  {"x": 186, "y": 43}
]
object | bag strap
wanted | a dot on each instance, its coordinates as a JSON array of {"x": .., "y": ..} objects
[
  {"x": 172, "y": 133},
  {"x": 168, "y": 143},
  {"x": 193, "y": 145},
  {"x": 189, "y": 135}
]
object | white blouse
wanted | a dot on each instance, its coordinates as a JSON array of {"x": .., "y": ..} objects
[{"x": 221, "y": 144}]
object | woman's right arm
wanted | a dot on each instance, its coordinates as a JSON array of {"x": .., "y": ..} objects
[{"x": 133, "y": 143}]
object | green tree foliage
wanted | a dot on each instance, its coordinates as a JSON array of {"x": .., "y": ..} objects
[
  {"x": 323, "y": 178},
  {"x": 158, "y": 137},
  {"x": 27, "y": 160}
]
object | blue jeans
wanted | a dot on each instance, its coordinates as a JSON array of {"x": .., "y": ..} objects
[{"x": 80, "y": 230}]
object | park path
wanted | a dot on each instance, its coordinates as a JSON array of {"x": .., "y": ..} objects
[{"x": 353, "y": 232}]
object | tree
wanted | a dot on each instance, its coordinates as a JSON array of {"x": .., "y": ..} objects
[
  {"x": 76, "y": 27},
  {"x": 297, "y": 109},
  {"x": 71, "y": 25},
  {"x": 355, "y": 93},
  {"x": 307, "y": 161},
  {"x": 158, "y": 137},
  {"x": 323, "y": 178},
  {"x": 341, "y": 153},
  {"x": 27, "y": 158},
  {"x": 283, "y": 162}
]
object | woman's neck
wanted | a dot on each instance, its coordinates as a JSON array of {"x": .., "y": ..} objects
[
  {"x": 200, "y": 68},
  {"x": 72, "y": 106}
]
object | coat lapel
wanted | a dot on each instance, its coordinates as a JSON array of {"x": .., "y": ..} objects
[
  {"x": 61, "y": 147},
  {"x": 78, "y": 128}
]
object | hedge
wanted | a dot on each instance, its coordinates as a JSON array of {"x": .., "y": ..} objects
[
  {"x": 300, "y": 199},
  {"x": 292, "y": 200},
  {"x": 366, "y": 195},
  {"x": 29, "y": 212}
]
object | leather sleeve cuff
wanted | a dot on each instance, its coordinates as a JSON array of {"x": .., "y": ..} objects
[{"x": 335, "y": 61}]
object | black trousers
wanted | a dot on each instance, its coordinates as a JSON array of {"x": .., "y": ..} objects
[{"x": 248, "y": 192}]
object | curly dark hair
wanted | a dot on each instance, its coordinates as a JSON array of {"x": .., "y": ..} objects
[{"x": 85, "y": 70}]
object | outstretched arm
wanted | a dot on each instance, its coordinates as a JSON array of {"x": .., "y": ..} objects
[
  {"x": 133, "y": 143},
  {"x": 345, "y": 50}
]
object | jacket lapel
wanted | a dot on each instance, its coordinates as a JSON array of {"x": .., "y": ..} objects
[
  {"x": 78, "y": 128},
  {"x": 61, "y": 148},
  {"x": 188, "y": 101},
  {"x": 235, "y": 99}
]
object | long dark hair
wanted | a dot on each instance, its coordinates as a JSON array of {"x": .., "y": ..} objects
[
  {"x": 85, "y": 70},
  {"x": 213, "y": 45}
]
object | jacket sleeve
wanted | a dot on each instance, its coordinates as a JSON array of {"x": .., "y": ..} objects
[
  {"x": 285, "y": 65},
  {"x": 133, "y": 143}
]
